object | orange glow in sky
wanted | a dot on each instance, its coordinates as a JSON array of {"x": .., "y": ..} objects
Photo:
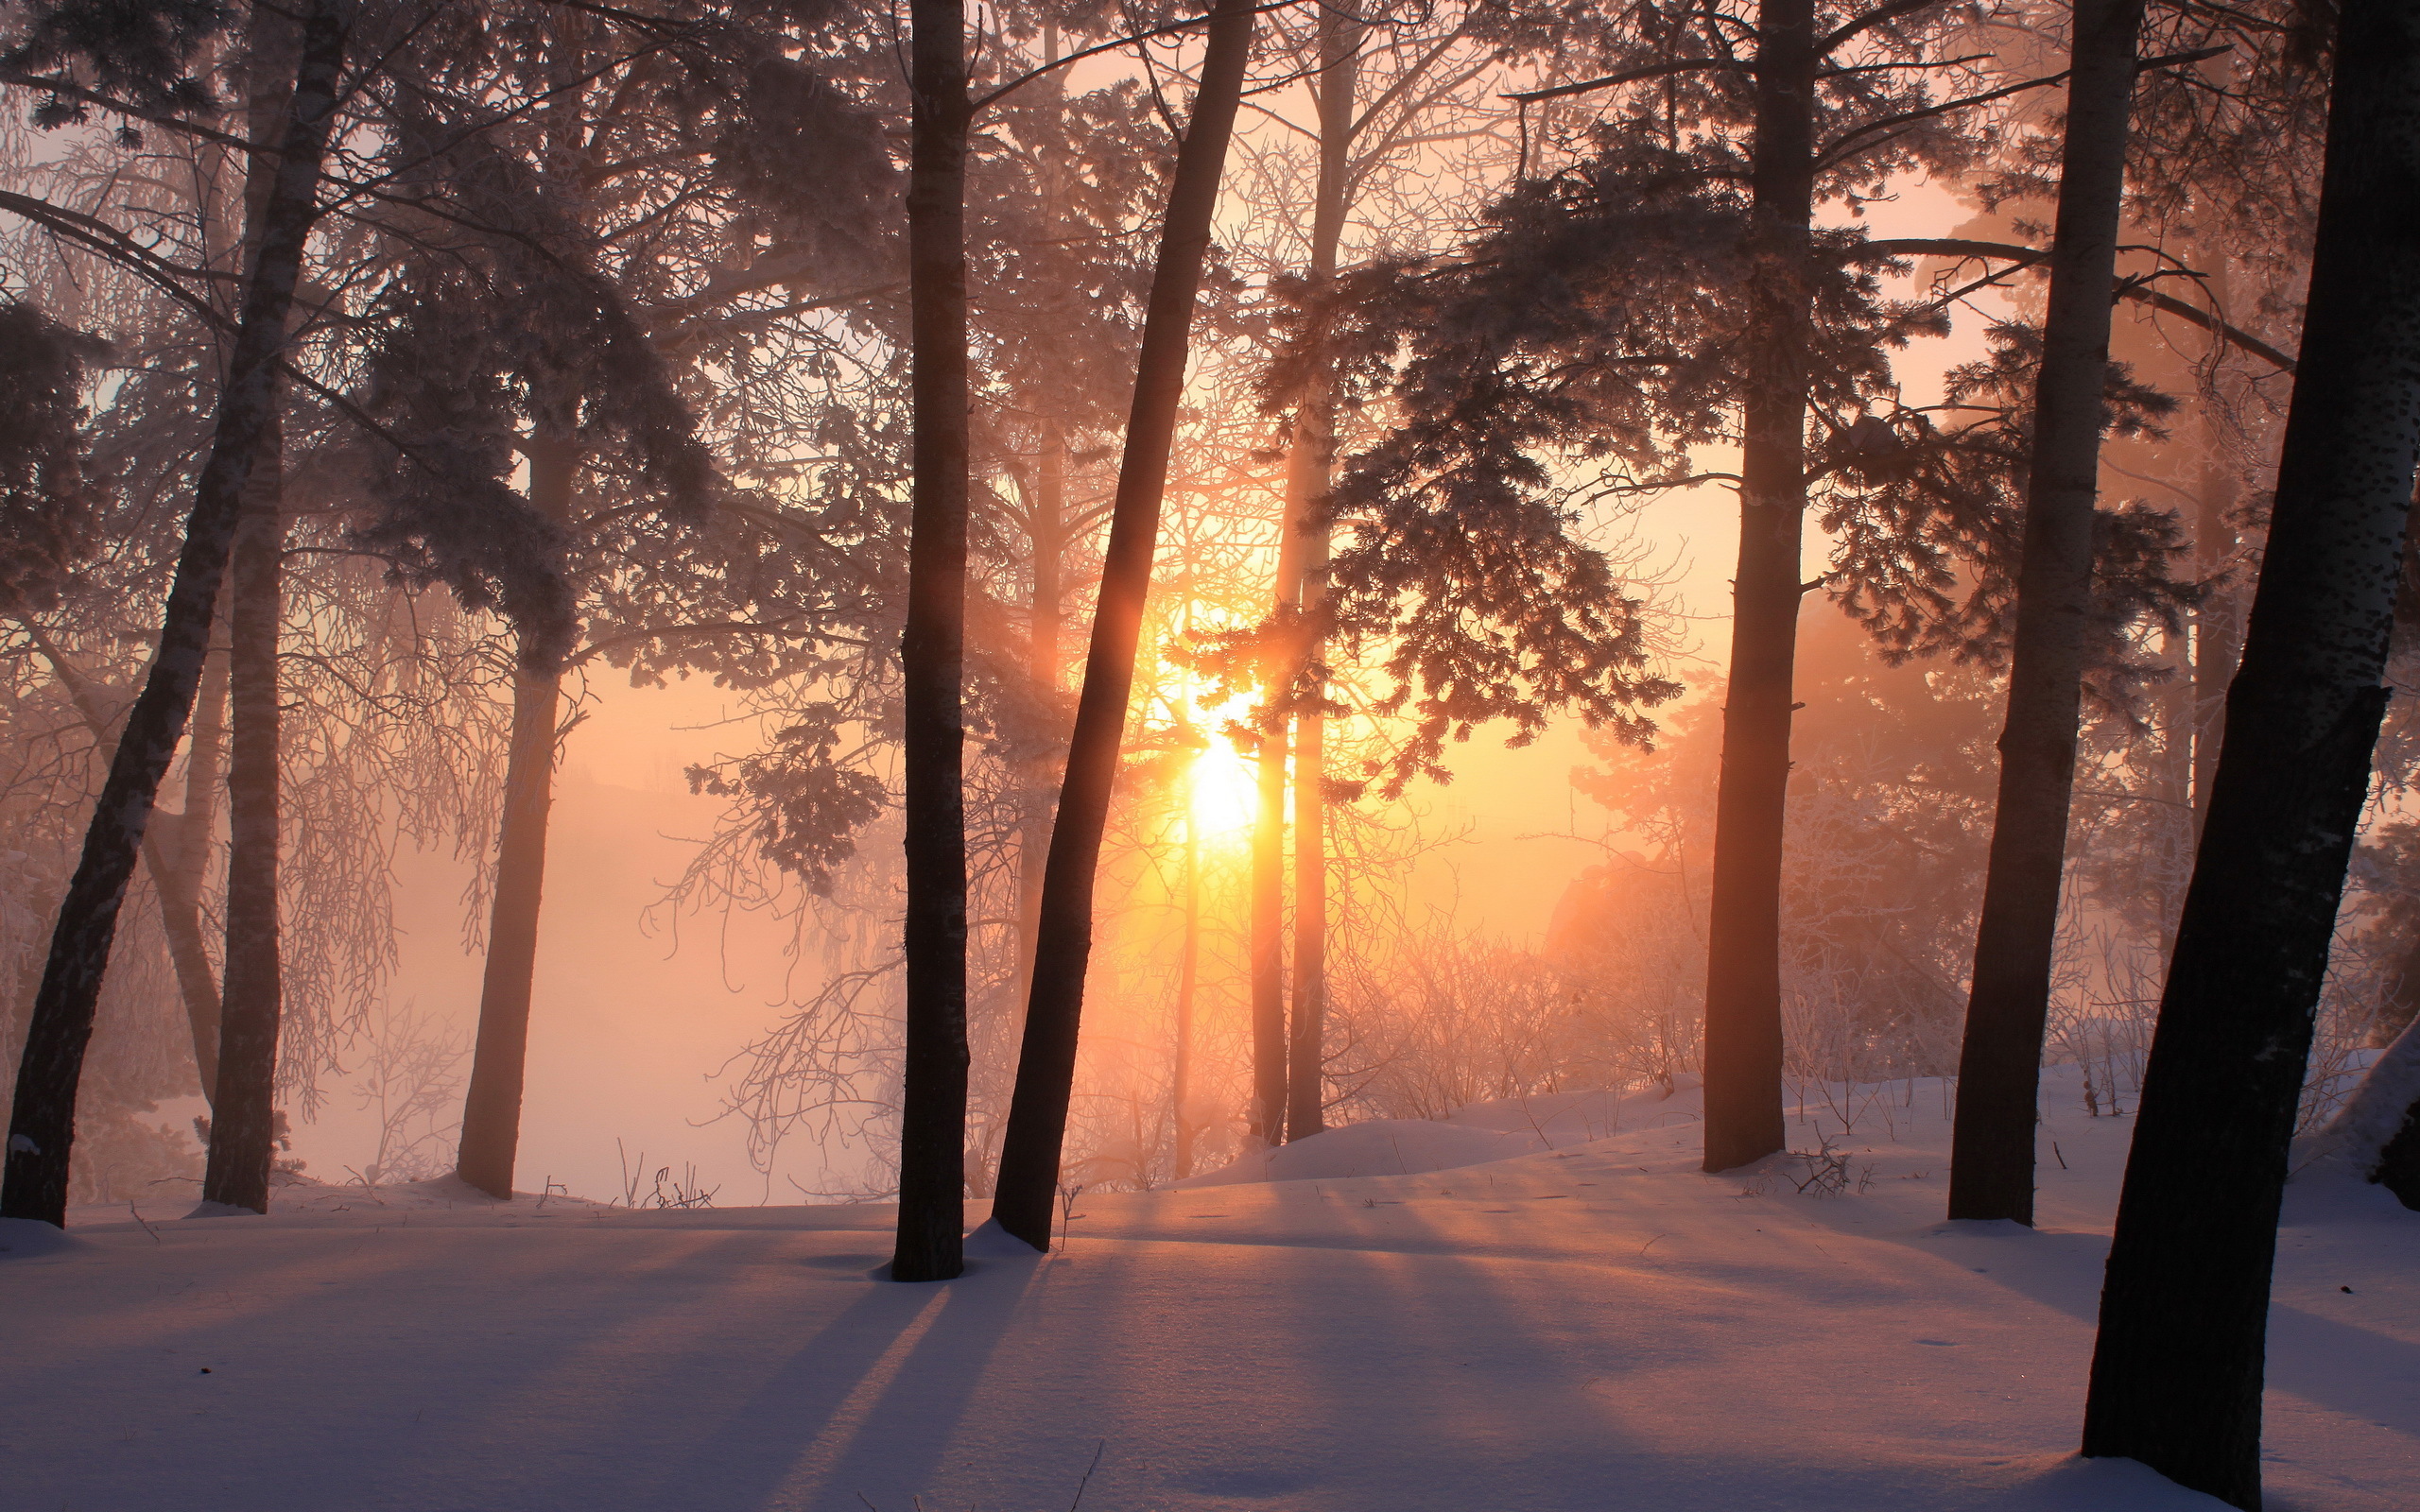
[{"x": 1223, "y": 790}]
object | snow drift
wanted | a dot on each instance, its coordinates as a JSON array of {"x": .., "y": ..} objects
[{"x": 1472, "y": 1136}]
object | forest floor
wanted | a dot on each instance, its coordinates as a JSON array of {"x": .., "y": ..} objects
[{"x": 1592, "y": 1327}]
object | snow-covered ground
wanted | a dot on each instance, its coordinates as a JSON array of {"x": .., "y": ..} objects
[{"x": 1589, "y": 1325}]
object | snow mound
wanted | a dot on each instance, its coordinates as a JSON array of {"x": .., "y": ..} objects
[
  {"x": 1384, "y": 1146},
  {"x": 25, "y": 1238},
  {"x": 206, "y": 1209},
  {"x": 445, "y": 1192},
  {"x": 989, "y": 1241},
  {"x": 2073, "y": 1484},
  {"x": 1563, "y": 1119},
  {"x": 294, "y": 1193},
  {"x": 1473, "y": 1135}
]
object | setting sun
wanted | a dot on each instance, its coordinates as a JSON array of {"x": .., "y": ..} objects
[{"x": 1223, "y": 790}]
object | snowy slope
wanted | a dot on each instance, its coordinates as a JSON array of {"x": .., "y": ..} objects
[
  {"x": 1596, "y": 1326},
  {"x": 1475, "y": 1135}
]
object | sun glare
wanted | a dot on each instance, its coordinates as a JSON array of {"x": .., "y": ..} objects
[{"x": 1224, "y": 790}]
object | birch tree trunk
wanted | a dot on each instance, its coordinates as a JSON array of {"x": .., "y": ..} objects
[
  {"x": 41, "y": 1124},
  {"x": 1743, "y": 1038},
  {"x": 2177, "y": 1368},
  {"x": 1990, "y": 1170},
  {"x": 1047, "y": 1063},
  {"x": 932, "y": 1118}
]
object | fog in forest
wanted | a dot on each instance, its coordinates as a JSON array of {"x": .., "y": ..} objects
[{"x": 1346, "y": 756}]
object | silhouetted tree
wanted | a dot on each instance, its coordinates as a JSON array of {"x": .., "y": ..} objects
[
  {"x": 2178, "y": 1364},
  {"x": 1026, "y": 1193},
  {"x": 1309, "y": 466},
  {"x": 42, "y": 1127},
  {"x": 1992, "y": 1167},
  {"x": 243, "y": 1119},
  {"x": 1722, "y": 138},
  {"x": 932, "y": 1112},
  {"x": 549, "y": 306}
]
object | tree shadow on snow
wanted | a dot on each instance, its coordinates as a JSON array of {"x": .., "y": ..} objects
[{"x": 875, "y": 1392}]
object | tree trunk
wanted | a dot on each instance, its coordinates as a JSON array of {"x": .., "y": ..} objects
[
  {"x": 932, "y": 1115},
  {"x": 41, "y": 1124},
  {"x": 243, "y": 1123},
  {"x": 2176, "y": 1372},
  {"x": 1268, "y": 922},
  {"x": 1306, "y": 1068},
  {"x": 1271, "y": 1052},
  {"x": 1999, "y": 1066},
  {"x": 180, "y": 871},
  {"x": 2171, "y": 787},
  {"x": 2217, "y": 620},
  {"x": 1743, "y": 1038},
  {"x": 1188, "y": 984},
  {"x": 1308, "y": 477},
  {"x": 175, "y": 854},
  {"x": 1046, "y": 539},
  {"x": 243, "y": 1115},
  {"x": 1047, "y": 1063},
  {"x": 1049, "y": 544},
  {"x": 499, "y": 1056}
]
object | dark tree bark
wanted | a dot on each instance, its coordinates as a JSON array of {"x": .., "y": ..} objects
[
  {"x": 180, "y": 870},
  {"x": 174, "y": 852},
  {"x": 2217, "y": 620},
  {"x": 1049, "y": 539},
  {"x": 1743, "y": 1040},
  {"x": 243, "y": 1115},
  {"x": 1047, "y": 1063},
  {"x": 491, "y": 1139},
  {"x": 1309, "y": 475},
  {"x": 932, "y": 1119},
  {"x": 1991, "y": 1172},
  {"x": 243, "y": 1122},
  {"x": 2176, "y": 1371},
  {"x": 42, "y": 1124}
]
